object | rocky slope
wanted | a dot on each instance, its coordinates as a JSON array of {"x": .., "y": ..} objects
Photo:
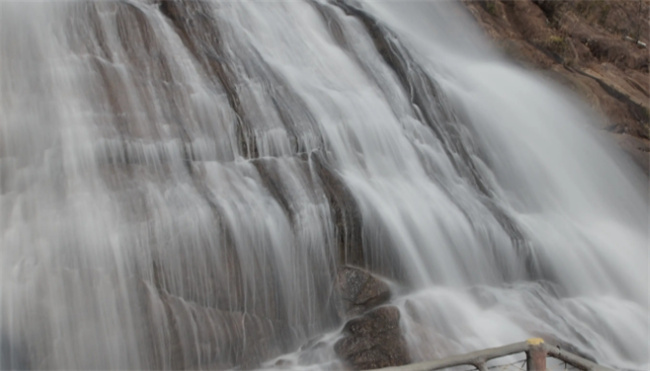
[{"x": 597, "y": 48}]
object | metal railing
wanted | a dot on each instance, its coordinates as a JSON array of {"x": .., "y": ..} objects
[{"x": 536, "y": 353}]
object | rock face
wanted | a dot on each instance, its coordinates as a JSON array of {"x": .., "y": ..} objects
[
  {"x": 359, "y": 291},
  {"x": 596, "y": 48},
  {"x": 374, "y": 340},
  {"x": 205, "y": 338}
]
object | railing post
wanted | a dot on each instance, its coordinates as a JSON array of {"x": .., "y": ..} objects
[
  {"x": 536, "y": 355},
  {"x": 480, "y": 366}
]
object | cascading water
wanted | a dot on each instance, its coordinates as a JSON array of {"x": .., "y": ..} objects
[{"x": 179, "y": 181}]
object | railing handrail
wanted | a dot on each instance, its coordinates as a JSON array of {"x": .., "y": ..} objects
[
  {"x": 573, "y": 359},
  {"x": 534, "y": 348}
]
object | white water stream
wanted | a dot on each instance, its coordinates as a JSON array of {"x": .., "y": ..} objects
[{"x": 171, "y": 177}]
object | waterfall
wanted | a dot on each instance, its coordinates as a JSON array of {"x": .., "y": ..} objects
[{"x": 181, "y": 180}]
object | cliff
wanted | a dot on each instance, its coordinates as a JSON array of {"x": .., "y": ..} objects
[{"x": 597, "y": 48}]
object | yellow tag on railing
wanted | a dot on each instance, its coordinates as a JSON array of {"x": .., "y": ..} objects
[{"x": 535, "y": 341}]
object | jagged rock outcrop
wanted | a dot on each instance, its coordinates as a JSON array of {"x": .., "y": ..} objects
[
  {"x": 374, "y": 340},
  {"x": 596, "y": 48},
  {"x": 359, "y": 291}
]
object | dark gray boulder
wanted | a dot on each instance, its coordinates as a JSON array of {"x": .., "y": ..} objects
[
  {"x": 373, "y": 340},
  {"x": 359, "y": 291}
]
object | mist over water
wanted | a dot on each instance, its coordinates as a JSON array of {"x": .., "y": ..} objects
[{"x": 180, "y": 180}]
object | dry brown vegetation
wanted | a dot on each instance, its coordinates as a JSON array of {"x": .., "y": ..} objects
[{"x": 598, "y": 48}]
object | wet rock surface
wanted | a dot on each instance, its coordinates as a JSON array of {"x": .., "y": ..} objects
[
  {"x": 208, "y": 338},
  {"x": 374, "y": 340},
  {"x": 359, "y": 291}
]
